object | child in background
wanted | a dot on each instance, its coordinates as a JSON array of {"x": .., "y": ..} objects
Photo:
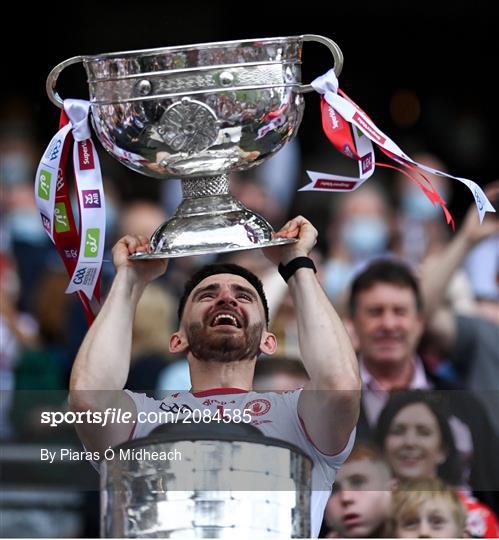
[
  {"x": 360, "y": 503},
  {"x": 426, "y": 508}
]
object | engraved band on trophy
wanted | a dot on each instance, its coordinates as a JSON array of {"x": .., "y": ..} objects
[{"x": 199, "y": 112}]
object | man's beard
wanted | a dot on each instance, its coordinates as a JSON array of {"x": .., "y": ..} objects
[{"x": 207, "y": 347}]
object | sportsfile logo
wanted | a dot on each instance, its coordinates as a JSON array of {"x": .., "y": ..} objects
[
  {"x": 61, "y": 218},
  {"x": 85, "y": 156},
  {"x": 44, "y": 180},
  {"x": 92, "y": 237}
]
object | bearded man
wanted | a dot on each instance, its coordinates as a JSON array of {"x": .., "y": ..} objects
[{"x": 223, "y": 327}]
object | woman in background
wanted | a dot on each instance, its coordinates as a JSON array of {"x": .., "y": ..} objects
[{"x": 414, "y": 432}]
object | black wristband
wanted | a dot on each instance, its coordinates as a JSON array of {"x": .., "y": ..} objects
[{"x": 289, "y": 269}]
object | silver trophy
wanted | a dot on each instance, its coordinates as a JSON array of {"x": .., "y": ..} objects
[
  {"x": 199, "y": 112},
  {"x": 232, "y": 483}
]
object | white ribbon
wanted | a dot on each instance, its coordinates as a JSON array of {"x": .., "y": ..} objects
[
  {"x": 91, "y": 201},
  {"x": 335, "y": 182},
  {"x": 46, "y": 179},
  {"x": 90, "y": 197},
  {"x": 327, "y": 85}
]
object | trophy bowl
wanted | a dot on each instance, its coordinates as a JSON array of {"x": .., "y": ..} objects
[{"x": 199, "y": 112}]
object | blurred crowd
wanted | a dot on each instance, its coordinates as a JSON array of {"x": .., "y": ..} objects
[{"x": 420, "y": 301}]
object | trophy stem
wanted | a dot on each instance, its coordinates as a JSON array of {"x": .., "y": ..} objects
[
  {"x": 210, "y": 220},
  {"x": 205, "y": 186}
]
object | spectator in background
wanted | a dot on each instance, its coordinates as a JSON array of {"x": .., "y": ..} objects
[
  {"x": 482, "y": 269},
  {"x": 360, "y": 504},
  {"x": 422, "y": 229},
  {"x": 279, "y": 175},
  {"x": 359, "y": 230},
  {"x": 140, "y": 217},
  {"x": 18, "y": 331},
  {"x": 415, "y": 434},
  {"x": 282, "y": 311},
  {"x": 45, "y": 365},
  {"x": 386, "y": 310},
  {"x": 252, "y": 192},
  {"x": 154, "y": 321},
  {"x": 467, "y": 340},
  {"x": 23, "y": 234},
  {"x": 279, "y": 375},
  {"x": 426, "y": 509},
  {"x": 27, "y": 240}
]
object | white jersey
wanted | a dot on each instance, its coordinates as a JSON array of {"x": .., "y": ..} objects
[{"x": 275, "y": 414}]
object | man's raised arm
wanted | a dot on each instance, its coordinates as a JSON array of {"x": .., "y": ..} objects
[
  {"x": 101, "y": 367},
  {"x": 329, "y": 404}
]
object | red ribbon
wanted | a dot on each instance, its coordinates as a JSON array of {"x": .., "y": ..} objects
[
  {"x": 67, "y": 242},
  {"x": 339, "y": 132}
]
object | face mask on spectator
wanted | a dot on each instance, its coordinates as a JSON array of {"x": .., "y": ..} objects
[
  {"x": 365, "y": 236},
  {"x": 15, "y": 168},
  {"x": 337, "y": 276},
  {"x": 416, "y": 206},
  {"x": 26, "y": 226}
]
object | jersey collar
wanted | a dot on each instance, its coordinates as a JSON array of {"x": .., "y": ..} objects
[{"x": 219, "y": 392}]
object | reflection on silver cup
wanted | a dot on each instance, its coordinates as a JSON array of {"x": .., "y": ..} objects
[
  {"x": 199, "y": 112},
  {"x": 211, "y": 481}
]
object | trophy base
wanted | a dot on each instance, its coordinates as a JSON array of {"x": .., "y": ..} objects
[
  {"x": 144, "y": 256},
  {"x": 210, "y": 223}
]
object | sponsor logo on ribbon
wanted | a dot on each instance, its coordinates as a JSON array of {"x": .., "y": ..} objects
[
  {"x": 61, "y": 218},
  {"x": 335, "y": 120},
  {"x": 54, "y": 204},
  {"x": 369, "y": 128},
  {"x": 85, "y": 275},
  {"x": 71, "y": 253},
  {"x": 366, "y": 163},
  {"x": 91, "y": 198},
  {"x": 322, "y": 183},
  {"x": 85, "y": 155},
  {"x": 46, "y": 223},
  {"x": 44, "y": 180},
  {"x": 92, "y": 242},
  {"x": 364, "y": 131},
  {"x": 60, "y": 180},
  {"x": 53, "y": 150}
]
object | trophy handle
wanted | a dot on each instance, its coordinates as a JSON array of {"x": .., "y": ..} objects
[
  {"x": 335, "y": 50},
  {"x": 52, "y": 80}
]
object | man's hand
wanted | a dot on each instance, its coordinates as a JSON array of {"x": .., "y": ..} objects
[
  {"x": 142, "y": 271},
  {"x": 299, "y": 228}
]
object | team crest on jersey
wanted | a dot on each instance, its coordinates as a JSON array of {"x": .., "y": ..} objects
[{"x": 257, "y": 407}]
